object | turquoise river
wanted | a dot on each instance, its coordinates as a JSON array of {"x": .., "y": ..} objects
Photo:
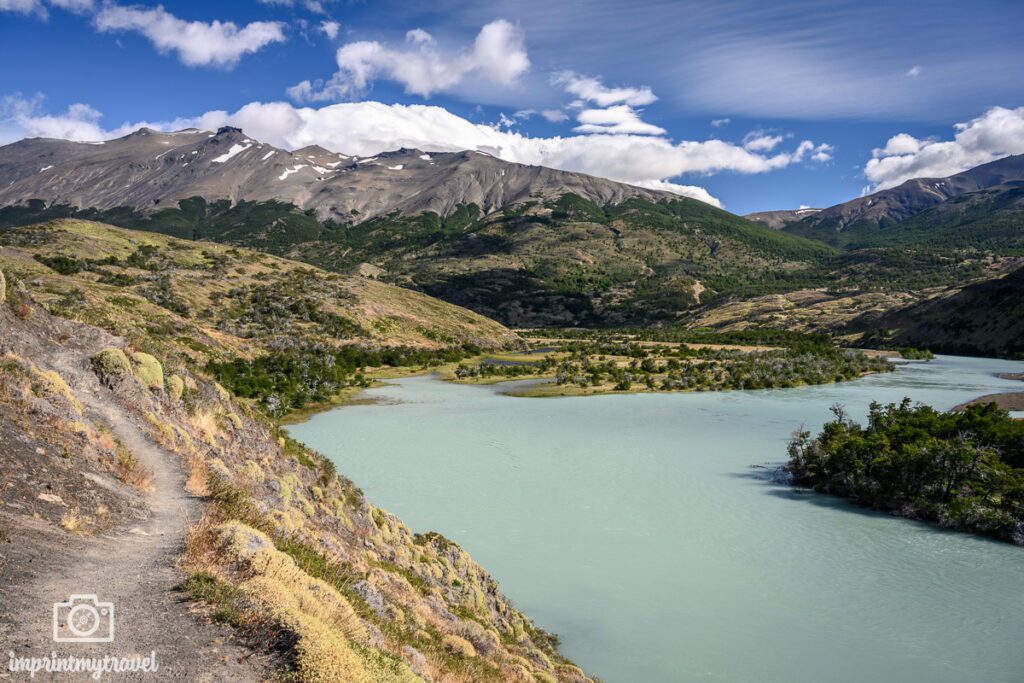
[{"x": 644, "y": 529}]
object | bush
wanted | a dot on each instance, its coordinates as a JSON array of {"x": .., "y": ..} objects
[
  {"x": 149, "y": 371},
  {"x": 111, "y": 365},
  {"x": 458, "y": 646},
  {"x": 963, "y": 470},
  {"x": 175, "y": 387}
]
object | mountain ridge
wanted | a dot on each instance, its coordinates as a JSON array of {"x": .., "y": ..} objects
[
  {"x": 862, "y": 220},
  {"x": 148, "y": 169}
]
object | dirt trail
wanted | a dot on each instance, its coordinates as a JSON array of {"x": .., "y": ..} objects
[{"x": 133, "y": 568}]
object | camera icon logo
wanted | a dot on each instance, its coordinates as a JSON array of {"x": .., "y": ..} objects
[{"x": 83, "y": 619}]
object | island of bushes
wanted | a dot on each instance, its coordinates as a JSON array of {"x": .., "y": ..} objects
[{"x": 961, "y": 470}]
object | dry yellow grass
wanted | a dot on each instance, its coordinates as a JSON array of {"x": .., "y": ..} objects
[
  {"x": 332, "y": 640},
  {"x": 73, "y": 522}
]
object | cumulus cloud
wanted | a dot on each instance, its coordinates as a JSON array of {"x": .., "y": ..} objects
[
  {"x": 718, "y": 123},
  {"x": 498, "y": 55},
  {"x": 761, "y": 141},
  {"x": 807, "y": 149},
  {"x": 25, "y": 118},
  {"x": 607, "y": 110},
  {"x": 330, "y": 29},
  {"x": 197, "y": 43},
  {"x": 997, "y": 133},
  {"x": 692, "y": 191},
  {"x": 554, "y": 115}
]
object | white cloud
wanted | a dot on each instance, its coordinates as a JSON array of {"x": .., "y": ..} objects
[
  {"x": 718, "y": 123},
  {"x": 498, "y": 55},
  {"x": 620, "y": 119},
  {"x": 913, "y": 71},
  {"x": 997, "y": 133},
  {"x": 23, "y": 7},
  {"x": 78, "y": 122},
  {"x": 760, "y": 141},
  {"x": 591, "y": 89},
  {"x": 554, "y": 115},
  {"x": 692, "y": 191},
  {"x": 615, "y": 112},
  {"x": 368, "y": 128},
  {"x": 330, "y": 29},
  {"x": 197, "y": 43},
  {"x": 418, "y": 35},
  {"x": 807, "y": 149},
  {"x": 76, "y": 6},
  {"x": 901, "y": 143}
]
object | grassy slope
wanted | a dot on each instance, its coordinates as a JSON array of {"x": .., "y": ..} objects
[
  {"x": 571, "y": 262},
  {"x": 566, "y": 261},
  {"x": 215, "y": 300},
  {"x": 986, "y": 318}
]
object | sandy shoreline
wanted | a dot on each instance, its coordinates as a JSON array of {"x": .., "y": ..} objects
[{"x": 1011, "y": 400}]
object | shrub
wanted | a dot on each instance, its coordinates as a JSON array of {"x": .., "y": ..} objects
[
  {"x": 963, "y": 470},
  {"x": 111, "y": 365},
  {"x": 317, "y": 622},
  {"x": 458, "y": 646},
  {"x": 149, "y": 371},
  {"x": 175, "y": 387}
]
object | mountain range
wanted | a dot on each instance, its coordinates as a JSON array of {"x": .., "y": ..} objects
[
  {"x": 923, "y": 208},
  {"x": 149, "y": 170},
  {"x": 533, "y": 246}
]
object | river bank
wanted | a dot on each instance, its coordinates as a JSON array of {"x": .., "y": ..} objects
[{"x": 1011, "y": 400}]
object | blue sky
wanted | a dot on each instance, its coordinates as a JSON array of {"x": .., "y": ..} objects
[{"x": 756, "y": 105}]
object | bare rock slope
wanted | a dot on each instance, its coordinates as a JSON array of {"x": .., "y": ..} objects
[{"x": 148, "y": 170}]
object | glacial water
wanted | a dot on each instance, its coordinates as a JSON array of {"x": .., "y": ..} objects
[{"x": 636, "y": 528}]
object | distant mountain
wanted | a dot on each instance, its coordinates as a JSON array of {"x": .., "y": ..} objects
[
  {"x": 148, "y": 170},
  {"x": 780, "y": 219},
  {"x": 904, "y": 214}
]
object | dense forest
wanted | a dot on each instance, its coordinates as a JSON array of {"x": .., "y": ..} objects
[{"x": 293, "y": 379}]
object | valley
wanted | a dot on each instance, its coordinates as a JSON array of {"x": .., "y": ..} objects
[
  {"x": 166, "y": 324},
  {"x": 535, "y": 247}
]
